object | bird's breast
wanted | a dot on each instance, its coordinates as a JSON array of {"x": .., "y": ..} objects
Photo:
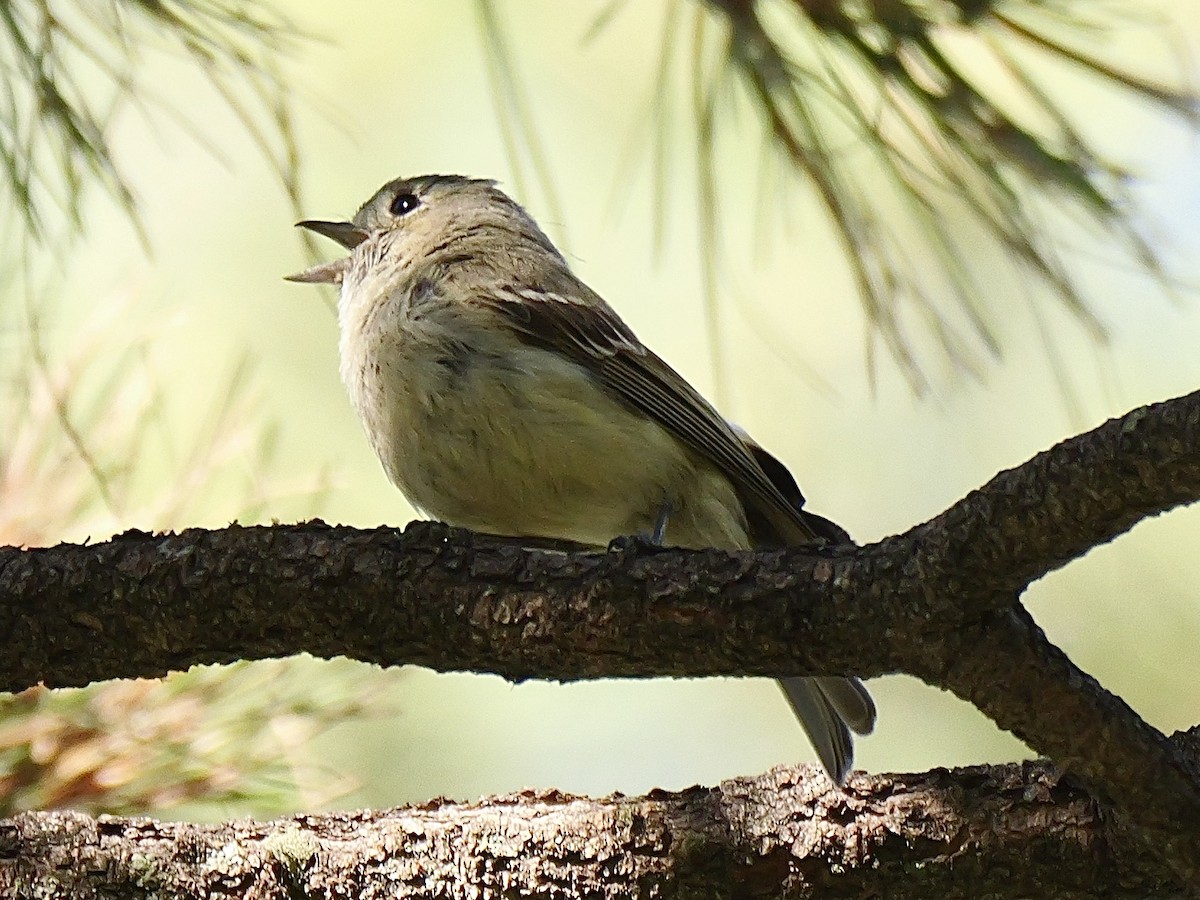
[{"x": 484, "y": 431}]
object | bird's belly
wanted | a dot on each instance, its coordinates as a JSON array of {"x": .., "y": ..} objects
[{"x": 525, "y": 443}]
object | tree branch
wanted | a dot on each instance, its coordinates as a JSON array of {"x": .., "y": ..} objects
[
  {"x": 142, "y": 605},
  {"x": 1004, "y": 831},
  {"x": 938, "y": 602},
  {"x": 1084, "y": 492},
  {"x": 1007, "y": 668}
]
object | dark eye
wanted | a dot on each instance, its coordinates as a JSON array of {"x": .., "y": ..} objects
[{"x": 402, "y": 204}]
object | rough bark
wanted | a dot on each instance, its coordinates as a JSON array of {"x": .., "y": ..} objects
[
  {"x": 1006, "y": 831},
  {"x": 940, "y": 602}
]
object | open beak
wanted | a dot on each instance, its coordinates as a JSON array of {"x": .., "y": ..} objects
[{"x": 347, "y": 234}]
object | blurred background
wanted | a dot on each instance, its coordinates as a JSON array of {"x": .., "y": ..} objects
[{"x": 160, "y": 373}]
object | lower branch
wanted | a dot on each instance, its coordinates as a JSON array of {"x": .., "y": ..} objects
[
  {"x": 1006, "y": 667},
  {"x": 1005, "y": 831}
]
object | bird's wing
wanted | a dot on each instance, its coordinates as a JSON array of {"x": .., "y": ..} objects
[{"x": 580, "y": 325}]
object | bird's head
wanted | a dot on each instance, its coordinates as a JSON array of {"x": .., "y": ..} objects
[{"x": 415, "y": 218}]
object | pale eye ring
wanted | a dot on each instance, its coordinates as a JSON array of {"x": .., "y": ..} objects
[{"x": 404, "y": 203}]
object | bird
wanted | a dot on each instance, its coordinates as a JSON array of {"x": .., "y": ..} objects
[{"x": 503, "y": 395}]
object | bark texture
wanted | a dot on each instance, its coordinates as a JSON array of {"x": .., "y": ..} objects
[{"x": 1008, "y": 831}]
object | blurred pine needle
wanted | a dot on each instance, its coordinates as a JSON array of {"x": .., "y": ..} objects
[
  {"x": 69, "y": 68},
  {"x": 85, "y": 449},
  {"x": 943, "y": 109},
  {"x": 942, "y": 134},
  {"x": 87, "y": 442},
  {"x": 200, "y": 744}
]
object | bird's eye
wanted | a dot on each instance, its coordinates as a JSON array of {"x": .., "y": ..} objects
[{"x": 402, "y": 204}]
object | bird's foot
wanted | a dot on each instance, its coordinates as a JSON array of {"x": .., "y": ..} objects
[{"x": 652, "y": 540}]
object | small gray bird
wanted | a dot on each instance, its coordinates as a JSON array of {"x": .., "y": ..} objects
[{"x": 503, "y": 395}]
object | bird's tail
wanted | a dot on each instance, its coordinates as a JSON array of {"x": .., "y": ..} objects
[{"x": 829, "y": 708}]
